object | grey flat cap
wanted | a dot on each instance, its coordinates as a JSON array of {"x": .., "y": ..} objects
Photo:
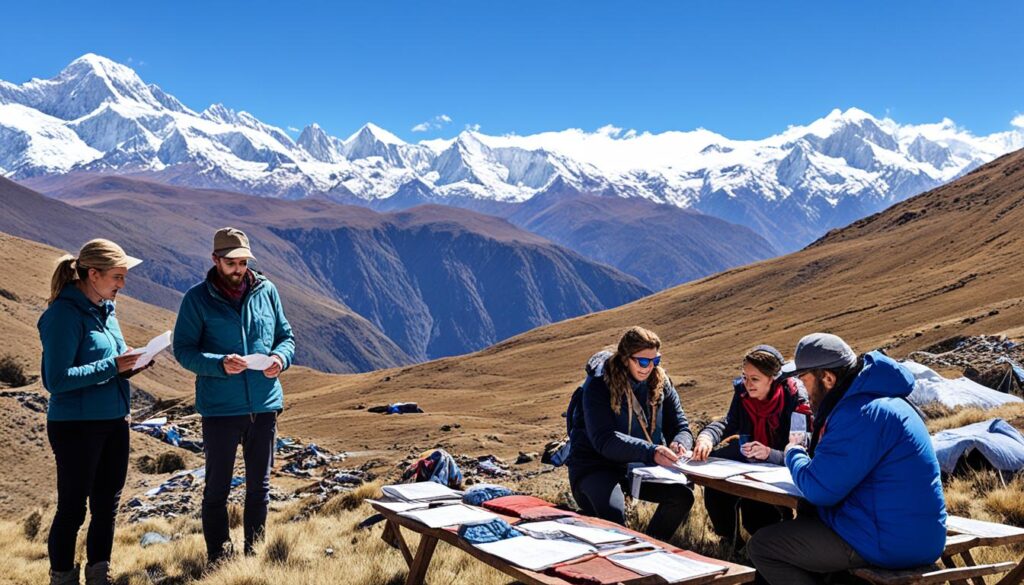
[{"x": 823, "y": 351}]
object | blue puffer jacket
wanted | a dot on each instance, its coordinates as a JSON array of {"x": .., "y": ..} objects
[
  {"x": 874, "y": 475},
  {"x": 209, "y": 328},
  {"x": 80, "y": 343}
]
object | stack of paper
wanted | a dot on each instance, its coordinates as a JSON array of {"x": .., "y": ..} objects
[
  {"x": 535, "y": 554},
  {"x": 424, "y": 491},
  {"x": 454, "y": 515},
  {"x": 672, "y": 568},
  {"x": 655, "y": 474},
  {"x": 717, "y": 468},
  {"x": 587, "y": 534}
]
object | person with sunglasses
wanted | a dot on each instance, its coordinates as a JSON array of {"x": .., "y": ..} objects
[
  {"x": 629, "y": 416},
  {"x": 762, "y": 408}
]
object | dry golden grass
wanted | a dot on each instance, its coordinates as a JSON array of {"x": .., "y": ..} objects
[{"x": 328, "y": 547}]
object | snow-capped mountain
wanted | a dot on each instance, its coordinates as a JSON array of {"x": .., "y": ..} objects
[{"x": 98, "y": 115}]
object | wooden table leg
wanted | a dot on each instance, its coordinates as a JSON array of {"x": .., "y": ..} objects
[
  {"x": 968, "y": 559},
  {"x": 418, "y": 569},
  {"x": 393, "y": 536},
  {"x": 1014, "y": 577},
  {"x": 949, "y": 563}
]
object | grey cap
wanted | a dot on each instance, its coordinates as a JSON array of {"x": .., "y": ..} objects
[{"x": 823, "y": 351}]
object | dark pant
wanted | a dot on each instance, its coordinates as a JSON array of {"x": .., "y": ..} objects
[
  {"x": 722, "y": 509},
  {"x": 600, "y": 493},
  {"x": 221, "y": 437},
  {"x": 800, "y": 552},
  {"x": 92, "y": 463}
]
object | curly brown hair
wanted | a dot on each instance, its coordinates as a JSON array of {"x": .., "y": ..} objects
[{"x": 616, "y": 372}]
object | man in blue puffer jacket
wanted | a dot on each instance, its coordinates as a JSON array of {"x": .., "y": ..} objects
[
  {"x": 226, "y": 325},
  {"x": 872, "y": 473}
]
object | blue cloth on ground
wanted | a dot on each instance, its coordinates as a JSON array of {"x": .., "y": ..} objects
[
  {"x": 997, "y": 440},
  {"x": 485, "y": 492},
  {"x": 492, "y": 531}
]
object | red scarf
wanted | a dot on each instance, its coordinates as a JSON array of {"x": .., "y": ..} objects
[
  {"x": 232, "y": 293},
  {"x": 764, "y": 414}
]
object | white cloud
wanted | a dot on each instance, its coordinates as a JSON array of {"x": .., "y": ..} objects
[
  {"x": 436, "y": 123},
  {"x": 135, "y": 62},
  {"x": 473, "y": 127},
  {"x": 1018, "y": 121},
  {"x": 293, "y": 129}
]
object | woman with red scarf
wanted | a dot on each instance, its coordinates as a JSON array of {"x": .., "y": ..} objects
[{"x": 760, "y": 413}]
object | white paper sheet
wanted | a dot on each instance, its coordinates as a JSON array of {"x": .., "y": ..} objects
[
  {"x": 780, "y": 478},
  {"x": 760, "y": 485},
  {"x": 155, "y": 346},
  {"x": 453, "y": 515},
  {"x": 420, "y": 491},
  {"x": 400, "y": 506},
  {"x": 717, "y": 468},
  {"x": 655, "y": 474},
  {"x": 258, "y": 361},
  {"x": 536, "y": 554},
  {"x": 588, "y": 534},
  {"x": 670, "y": 567}
]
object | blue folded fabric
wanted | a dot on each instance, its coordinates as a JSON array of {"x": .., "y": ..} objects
[
  {"x": 492, "y": 531},
  {"x": 484, "y": 492},
  {"x": 997, "y": 440}
]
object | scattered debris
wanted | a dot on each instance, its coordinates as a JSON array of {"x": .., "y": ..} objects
[
  {"x": 151, "y": 538},
  {"x": 396, "y": 408},
  {"x": 990, "y": 360}
]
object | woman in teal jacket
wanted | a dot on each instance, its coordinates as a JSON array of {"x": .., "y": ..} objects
[{"x": 85, "y": 367}]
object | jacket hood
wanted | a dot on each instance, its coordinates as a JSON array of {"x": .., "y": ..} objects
[{"x": 882, "y": 376}]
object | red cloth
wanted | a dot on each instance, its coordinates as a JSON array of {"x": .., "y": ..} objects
[
  {"x": 514, "y": 505},
  {"x": 764, "y": 414},
  {"x": 595, "y": 571},
  {"x": 545, "y": 513}
]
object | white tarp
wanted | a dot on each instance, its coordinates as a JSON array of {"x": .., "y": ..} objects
[{"x": 930, "y": 387}]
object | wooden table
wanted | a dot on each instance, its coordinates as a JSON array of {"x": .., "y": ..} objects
[
  {"x": 964, "y": 535},
  {"x": 429, "y": 537}
]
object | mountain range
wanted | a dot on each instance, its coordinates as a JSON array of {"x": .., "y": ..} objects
[
  {"x": 99, "y": 116},
  {"x": 363, "y": 289}
]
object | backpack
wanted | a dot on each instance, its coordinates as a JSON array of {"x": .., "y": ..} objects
[{"x": 594, "y": 369}]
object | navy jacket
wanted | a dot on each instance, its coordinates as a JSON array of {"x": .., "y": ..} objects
[{"x": 602, "y": 439}]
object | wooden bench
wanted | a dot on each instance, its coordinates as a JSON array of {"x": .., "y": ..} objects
[
  {"x": 419, "y": 560},
  {"x": 965, "y": 534}
]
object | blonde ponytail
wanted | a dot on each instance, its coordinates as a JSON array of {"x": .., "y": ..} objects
[{"x": 99, "y": 254}]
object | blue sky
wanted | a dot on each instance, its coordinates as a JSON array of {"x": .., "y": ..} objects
[{"x": 744, "y": 69}]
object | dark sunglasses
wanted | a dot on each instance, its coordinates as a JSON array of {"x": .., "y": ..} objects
[{"x": 644, "y": 362}]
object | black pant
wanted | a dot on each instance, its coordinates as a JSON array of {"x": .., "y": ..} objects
[
  {"x": 600, "y": 493},
  {"x": 92, "y": 463},
  {"x": 800, "y": 552},
  {"x": 722, "y": 508},
  {"x": 221, "y": 437}
]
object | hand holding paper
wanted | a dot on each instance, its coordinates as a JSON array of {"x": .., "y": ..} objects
[
  {"x": 258, "y": 361},
  {"x": 155, "y": 346}
]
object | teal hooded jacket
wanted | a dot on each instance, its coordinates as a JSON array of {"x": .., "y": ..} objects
[
  {"x": 80, "y": 343},
  {"x": 209, "y": 328}
]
